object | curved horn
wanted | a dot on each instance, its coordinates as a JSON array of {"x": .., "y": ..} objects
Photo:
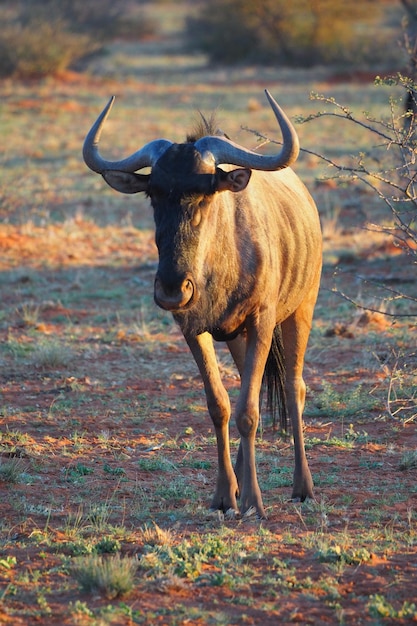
[
  {"x": 145, "y": 157},
  {"x": 225, "y": 151}
]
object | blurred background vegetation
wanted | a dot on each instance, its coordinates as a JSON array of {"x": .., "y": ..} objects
[
  {"x": 44, "y": 37},
  {"x": 302, "y": 33}
]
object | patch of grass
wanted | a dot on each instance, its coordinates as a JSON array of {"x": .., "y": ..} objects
[
  {"x": 114, "y": 471},
  {"x": 338, "y": 442},
  {"x": 29, "y": 314},
  {"x": 8, "y": 562},
  {"x": 79, "y": 547},
  {"x": 107, "y": 545},
  {"x": 79, "y": 470},
  {"x": 408, "y": 460},
  {"x": 80, "y": 610},
  {"x": 51, "y": 354},
  {"x": 18, "y": 348},
  {"x": 196, "y": 463},
  {"x": 346, "y": 404},
  {"x": 278, "y": 476},
  {"x": 156, "y": 536},
  {"x": 11, "y": 471},
  {"x": 380, "y": 608},
  {"x": 157, "y": 463},
  {"x": 330, "y": 553},
  {"x": 186, "y": 558},
  {"x": 177, "y": 489},
  {"x": 113, "y": 576},
  {"x": 350, "y": 437},
  {"x": 99, "y": 516},
  {"x": 13, "y": 438}
]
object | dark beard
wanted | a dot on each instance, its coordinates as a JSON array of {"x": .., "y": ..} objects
[{"x": 205, "y": 316}]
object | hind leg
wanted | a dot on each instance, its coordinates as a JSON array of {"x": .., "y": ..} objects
[{"x": 295, "y": 333}]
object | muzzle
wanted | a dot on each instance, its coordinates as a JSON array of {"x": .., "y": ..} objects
[{"x": 175, "y": 297}]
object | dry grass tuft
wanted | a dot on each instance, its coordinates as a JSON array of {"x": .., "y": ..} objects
[{"x": 112, "y": 575}]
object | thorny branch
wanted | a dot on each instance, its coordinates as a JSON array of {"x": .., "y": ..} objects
[
  {"x": 396, "y": 295},
  {"x": 388, "y": 169},
  {"x": 405, "y": 405}
]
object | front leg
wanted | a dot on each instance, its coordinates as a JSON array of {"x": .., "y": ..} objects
[
  {"x": 218, "y": 404},
  {"x": 259, "y": 337}
]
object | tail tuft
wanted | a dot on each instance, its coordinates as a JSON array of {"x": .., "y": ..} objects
[{"x": 274, "y": 378}]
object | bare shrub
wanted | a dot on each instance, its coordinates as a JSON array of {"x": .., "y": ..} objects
[{"x": 388, "y": 169}]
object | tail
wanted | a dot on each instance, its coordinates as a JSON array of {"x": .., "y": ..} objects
[{"x": 274, "y": 378}]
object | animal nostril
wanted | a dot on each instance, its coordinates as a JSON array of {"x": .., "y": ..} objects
[
  {"x": 187, "y": 289},
  {"x": 171, "y": 297}
]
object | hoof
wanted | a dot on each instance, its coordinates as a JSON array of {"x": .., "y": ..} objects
[
  {"x": 219, "y": 515},
  {"x": 252, "y": 513},
  {"x": 232, "y": 514},
  {"x": 215, "y": 514},
  {"x": 298, "y": 499}
]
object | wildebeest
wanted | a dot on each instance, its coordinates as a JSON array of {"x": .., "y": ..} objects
[{"x": 240, "y": 262}]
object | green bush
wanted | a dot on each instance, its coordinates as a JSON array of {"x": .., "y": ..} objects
[{"x": 299, "y": 33}]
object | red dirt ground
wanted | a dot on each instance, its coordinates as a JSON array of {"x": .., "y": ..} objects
[
  {"x": 364, "y": 475},
  {"x": 129, "y": 392}
]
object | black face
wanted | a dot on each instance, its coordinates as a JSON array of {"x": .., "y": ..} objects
[
  {"x": 194, "y": 233},
  {"x": 181, "y": 190}
]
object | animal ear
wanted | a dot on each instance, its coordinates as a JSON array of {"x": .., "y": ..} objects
[
  {"x": 235, "y": 181},
  {"x": 126, "y": 182}
]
